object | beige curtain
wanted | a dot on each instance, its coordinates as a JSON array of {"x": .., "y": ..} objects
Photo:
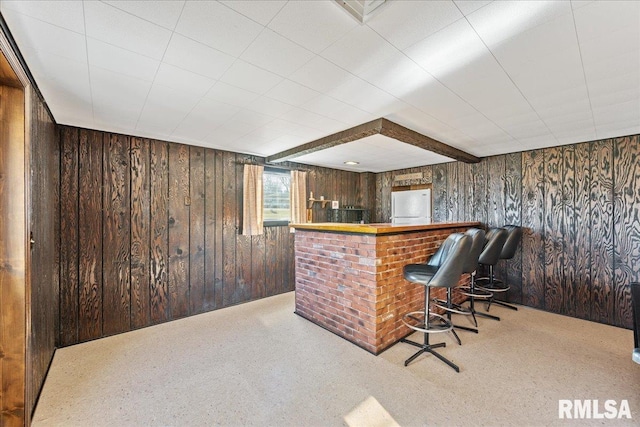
[
  {"x": 298, "y": 197},
  {"x": 252, "y": 204}
]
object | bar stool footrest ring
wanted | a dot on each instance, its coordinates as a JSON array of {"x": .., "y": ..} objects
[{"x": 444, "y": 326}]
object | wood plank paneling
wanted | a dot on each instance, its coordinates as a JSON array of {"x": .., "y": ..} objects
[
  {"x": 230, "y": 228},
  {"x": 219, "y": 231},
  {"x": 479, "y": 181},
  {"x": 533, "y": 205},
  {"x": 210, "y": 278},
  {"x": 626, "y": 226},
  {"x": 69, "y": 303},
  {"x": 179, "y": 230},
  {"x": 44, "y": 150},
  {"x": 496, "y": 205},
  {"x": 453, "y": 202},
  {"x": 554, "y": 229},
  {"x": 583, "y": 231},
  {"x": 513, "y": 215},
  {"x": 116, "y": 298},
  {"x": 140, "y": 233},
  {"x": 197, "y": 221},
  {"x": 439, "y": 192},
  {"x": 568, "y": 183},
  {"x": 159, "y": 224},
  {"x": 602, "y": 231},
  {"x": 90, "y": 244}
]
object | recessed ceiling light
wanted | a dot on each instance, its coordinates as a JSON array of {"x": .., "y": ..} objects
[{"x": 351, "y": 163}]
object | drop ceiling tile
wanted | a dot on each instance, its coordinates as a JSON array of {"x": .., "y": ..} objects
[
  {"x": 451, "y": 50},
  {"x": 223, "y": 137},
  {"x": 359, "y": 50},
  {"x": 567, "y": 99},
  {"x": 197, "y": 57},
  {"x": 203, "y": 120},
  {"x": 469, "y": 6},
  {"x": 65, "y": 14},
  {"x": 183, "y": 80},
  {"x": 617, "y": 130},
  {"x": 438, "y": 101},
  {"x": 269, "y": 106},
  {"x": 31, "y": 33},
  {"x": 165, "y": 109},
  {"x": 616, "y": 89},
  {"x": 261, "y": 11},
  {"x": 113, "y": 58},
  {"x": 217, "y": 26},
  {"x": 249, "y": 77},
  {"x": 599, "y": 19},
  {"x": 120, "y": 96},
  {"x": 231, "y": 95},
  {"x": 337, "y": 110},
  {"x": 321, "y": 75},
  {"x": 624, "y": 112},
  {"x": 323, "y": 124},
  {"x": 315, "y": 25},
  {"x": 275, "y": 53},
  {"x": 292, "y": 128},
  {"x": 247, "y": 121},
  {"x": 364, "y": 96},
  {"x": 70, "y": 101},
  {"x": 501, "y": 20},
  {"x": 403, "y": 23},
  {"x": 121, "y": 29},
  {"x": 164, "y": 13},
  {"x": 398, "y": 75},
  {"x": 291, "y": 93}
]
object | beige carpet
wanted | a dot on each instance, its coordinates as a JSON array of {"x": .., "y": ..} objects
[{"x": 259, "y": 364}]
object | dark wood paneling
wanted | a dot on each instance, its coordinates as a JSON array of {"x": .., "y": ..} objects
[
  {"x": 568, "y": 182},
  {"x": 583, "y": 231},
  {"x": 453, "y": 201},
  {"x": 69, "y": 303},
  {"x": 230, "y": 228},
  {"x": 602, "y": 231},
  {"x": 140, "y": 233},
  {"x": 439, "y": 193},
  {"x": 209, "y": 298},
  {"x": 533, "y": 281},
  {"x": 159, "y": 222},
  {"x": 219, "y": 231},
  {"x": 179, "y": 230},
  {"x": 197, "y": 230},
  {"x": 496, "y": 204},
  {"x": 554, "y": 229},
  {"x": 479, "y": 181},
  {"x": 90, "y": 242},
  {"x": 116, "y": 298},
  {"x": 626, "y": 226},
  {"x": 513, "y": 215}
]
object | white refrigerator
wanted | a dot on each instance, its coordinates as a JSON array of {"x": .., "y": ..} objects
[{"x": 411, "y": 207}]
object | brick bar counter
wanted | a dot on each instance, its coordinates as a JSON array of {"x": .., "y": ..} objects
[{"x": 349, "y": 277}]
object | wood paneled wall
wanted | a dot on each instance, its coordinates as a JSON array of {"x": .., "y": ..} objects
[
  {"x": 580, "y": 209},
  {"x": 44, "y": 223},
  {"x": 151, "y": 232}
]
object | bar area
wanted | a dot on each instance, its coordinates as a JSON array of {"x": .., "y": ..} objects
[{"x": 349, "y": 277}]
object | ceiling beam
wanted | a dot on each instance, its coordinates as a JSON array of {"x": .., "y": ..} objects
[
  {"x": 378, "y": 126},
  {"x": 357, "y": 132},
  {"x": 408, "y": 136}
]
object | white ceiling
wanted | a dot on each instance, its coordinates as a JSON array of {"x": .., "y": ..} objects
[{"x": 260, "y": 77}]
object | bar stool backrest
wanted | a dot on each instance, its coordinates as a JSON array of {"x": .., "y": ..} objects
[
  {"x": 635, "y": 304},
  {"x": 513, "y": 239},
  {"x": 452, "y": 258},
  {"x": 478, "y": 237},
  {"x": 493, "y": 247}
]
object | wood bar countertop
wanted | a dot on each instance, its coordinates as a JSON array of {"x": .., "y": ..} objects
[{"x": 379, "y": 228}]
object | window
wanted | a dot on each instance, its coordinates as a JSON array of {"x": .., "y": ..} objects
[{"x": 276, "y": 189}]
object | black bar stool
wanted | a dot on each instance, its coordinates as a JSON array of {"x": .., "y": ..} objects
[
  {"x": 635, "y": 304},
  {"x": 477, "y": 245},
  {"x": 493, "y": 285},
  {"x": 470, "y": 266},
  {"x": 490, "y": 256},
  {"x": 444, "y": 271}
]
